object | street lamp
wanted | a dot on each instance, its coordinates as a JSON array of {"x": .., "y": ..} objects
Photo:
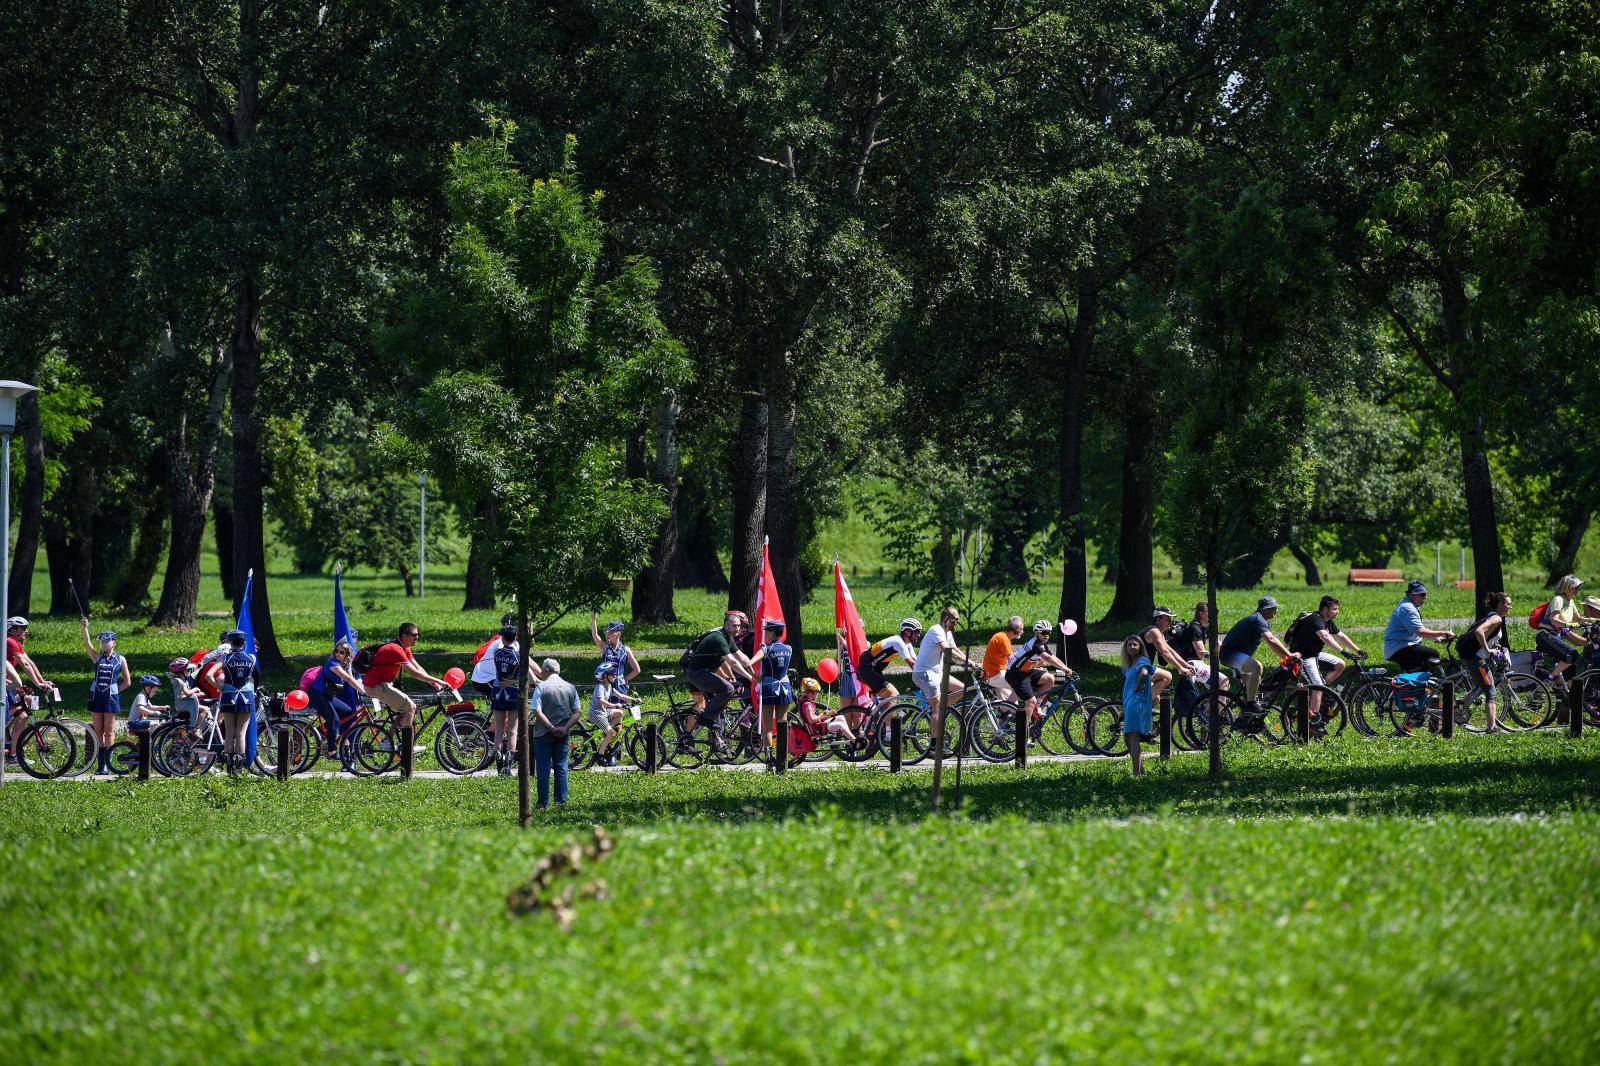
[{"x": 10, "y": 393}]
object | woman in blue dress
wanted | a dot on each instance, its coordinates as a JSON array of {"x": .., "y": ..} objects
[
  {"x": 111, "y": 677},
  {"x": 238, "y": 703},
  {"x": 1137, "y": 699},
  {"x": 613, "y": 652}
]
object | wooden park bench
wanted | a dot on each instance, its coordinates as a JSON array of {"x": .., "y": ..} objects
[{"x": 1376, "y": 577}]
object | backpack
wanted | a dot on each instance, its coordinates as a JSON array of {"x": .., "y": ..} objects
[
  {"x": 1536, "y": 616},
  {"x": 1289, "y": 634},
  {"x": 309, "y": 678},
  {"x": 363, "y": 660},
  {"x": 1411, "y": 691},
  {"x": 688, "y": 653}
]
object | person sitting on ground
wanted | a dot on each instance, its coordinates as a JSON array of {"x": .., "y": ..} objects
[
  {"x": 776, "y": 691},
  {"x": 1312, "y": 635},
  {"x": 1025, "y": 669},
  {"x": 142, "y": 713},
  {"x": 1156, "y": 648},
  {"x": 613, "y": 651},
  {"x": 606, "y": 707},
  {"x": 1559, "y": 635},
  {"x": 713, "y": 652},
  {"x": 1403, "y": 636},
  {"x": 1480, "y": 646},
  {"x": 1138, "y": 699},
  {"x": 927, "y": 673},
  {"x": 1238, "y": 651},
  {"x": 820, "y": 721},
  {"x": 387, "y": 662},
  {"x": 997, "y": 653}
]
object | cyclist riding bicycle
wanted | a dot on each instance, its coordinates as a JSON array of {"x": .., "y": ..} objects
[
  {"x": 1558, "y": 635},
  {"x": 712, "y": 654},
  {"x": 1403, "y": 636},
  {"x": 1312, "y": 635},
  {"x": 1153, "y": 642},
  {"x": 27, "y": 673},
  {"x": 877, "y": 657},
  {"x": 997, "y": 654},
  {"x": 1025, "y": 669},
  {"x": 927, "y": 672},
  {"x": 1238, "y": 651},
  {"x": 1481, "y": 646}
]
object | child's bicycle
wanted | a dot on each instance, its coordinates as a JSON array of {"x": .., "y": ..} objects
[{"x": 629, "y": 739}]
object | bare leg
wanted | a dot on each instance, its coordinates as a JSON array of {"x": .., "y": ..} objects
[{"x": 1135, "y": 753}]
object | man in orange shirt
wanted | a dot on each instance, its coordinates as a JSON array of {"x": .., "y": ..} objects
[{"x": 997, "y": 653}]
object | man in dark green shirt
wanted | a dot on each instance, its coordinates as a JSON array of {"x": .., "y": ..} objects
[{"x": 712, "y": 652}]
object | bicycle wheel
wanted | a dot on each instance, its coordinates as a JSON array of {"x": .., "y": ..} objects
[
  {"x": 1199, "y": 723},
  {"x": 123, "y": 758},
  {"x": 1105, "y": 730},
  {"x": 1050, "y": 730},
  {"x": 1369, "y": 708},
  {"x": 461, "y": 745},
  {"x": 46, "y": 749},
  {"x": 637, "y": 746},
  {"x": 86, "y": 756},
  {"x": 175, "y": 750},
  {"x": 584, "y": 746},
  {"x": 266, "y": 762},
  {"x": 686, "y": 747},
  {"x": 992, "y": 729},
  {"x": 1526, "y": 700},
  {"x": 917, "y": 735},
  {"x": 872, "y": 735},
  {"x": 373, "y": 749}
]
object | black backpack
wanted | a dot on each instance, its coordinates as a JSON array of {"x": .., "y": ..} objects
[
  {"x": 694, "y": 646},
  {"x": 1289, "y": 636},
  {"x": 363, "y": 659}
]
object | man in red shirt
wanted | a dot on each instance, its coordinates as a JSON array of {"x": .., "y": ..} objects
[
  {"x": 26, "y": 671},
  {"x": 387, "y": 662}
]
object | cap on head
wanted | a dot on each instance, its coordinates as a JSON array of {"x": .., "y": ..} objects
[
  {"x": 1416, "y": 588},
  {"x": 235, "y": 637},
  {"x": 1162, "y": 612},
  {"x": 105, "y": 635},
  {"x": 509, "y": 618},
  {"x": 615, "y": 627},
  {"x": 1266, "y": 603},
  {"x": 508, "y": 633},
  {"x": 772, "y": 624}
]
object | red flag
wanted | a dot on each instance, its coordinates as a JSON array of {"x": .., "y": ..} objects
[
  {"x": 768, "y": 606},
  {"x": 852, "y": 640}
]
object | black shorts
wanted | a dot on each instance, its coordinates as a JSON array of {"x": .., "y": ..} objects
[
  {"x": 1023, "y": 684},
  {"x": 869, "y": 675}
]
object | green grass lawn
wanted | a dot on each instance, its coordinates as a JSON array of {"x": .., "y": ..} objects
[{"x": 1405, "y": 901}]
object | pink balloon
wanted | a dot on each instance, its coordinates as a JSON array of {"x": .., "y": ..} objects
[
  {"x": 828, "y": 670},
  {"x": 297, "y": 700},
  {"x": 1068, "y": 628},
  {"x": 454, "y": 677}
]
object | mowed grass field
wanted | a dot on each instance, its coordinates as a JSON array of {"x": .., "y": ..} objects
[{"x": 1392, "y": 900}]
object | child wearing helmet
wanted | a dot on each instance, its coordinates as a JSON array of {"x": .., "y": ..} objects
[
  {"x": 606, "y": 706},
  {"x": 613, "y": 651},
  {"x": 141, "y": 713},
  {"x": 105, "y": 691},
  {"x": 186, "y": 695},
  {"x": 821, "y": 721}
]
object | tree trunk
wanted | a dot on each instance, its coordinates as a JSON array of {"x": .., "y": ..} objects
[
  {"x": 783, "y": 508},
  {"x": 30, "y": 507},
  {"x": 249, "y": 533},
  {"x": 1191, "y": 573},
  {"x": 1476, "y": 481},
  {"x": 407, "y": 577},
  {"x": 944, "y": 555},
  {"x": 69, "y": 541},
  {"x": 133, "y": 586},
  {"x": 653, "y": 585},
  {"x": 1074, "y": 550},
  {"x": 698, "y": 565},
  {"x": 1307, "y": 562},
  {"x": 749, "y": 501},
  {"x": 222, "y": 528},
  {"x": 1575, "y": 517},
  {"x": 1005, "y": 562},
  {"x": 480, "y": 574},
  {"x": 1250, "y": 568},
  {"x": 1135, "y": 597},
  {"x": 191, "y": 487}
]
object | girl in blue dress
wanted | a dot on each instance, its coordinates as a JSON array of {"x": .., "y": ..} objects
[
  {"x": 613, "y": 652},
  {"x": 238, "y": 701},
  {"x": 111, "y": 677},
  {"x": 777, "y": 693},
  {"x": 1137, "y": 699}
]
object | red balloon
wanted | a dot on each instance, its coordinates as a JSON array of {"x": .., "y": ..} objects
[
  {"x": 828, "y": 670},
  {"x": 454, "y": 677},
  {"x": 297, "y": 700}
]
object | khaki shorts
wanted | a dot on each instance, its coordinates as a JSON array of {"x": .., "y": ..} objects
[{"x": 391, "y": 697}]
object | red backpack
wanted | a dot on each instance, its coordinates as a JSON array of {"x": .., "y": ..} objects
[{"x": 1536, "y": 616}]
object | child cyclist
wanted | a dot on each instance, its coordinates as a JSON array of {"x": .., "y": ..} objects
[
  {"x": 607, "y": 703},
  {"x": 142, "y": 714},
  {"x": 105, "y": 691}
]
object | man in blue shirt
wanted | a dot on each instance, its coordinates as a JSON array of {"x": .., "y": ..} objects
[
  {"x": 1238, "y": 650},
  {"x": 1403, "y": 637}
]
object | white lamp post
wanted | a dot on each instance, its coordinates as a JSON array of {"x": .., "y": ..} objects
[{"x": 10, "y": 393}]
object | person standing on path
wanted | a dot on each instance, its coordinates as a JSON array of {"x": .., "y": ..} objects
[
  {"x": 555, "y": 711},
  {"x": 111, "y": 677}
]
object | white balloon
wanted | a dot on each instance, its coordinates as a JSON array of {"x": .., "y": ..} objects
[{"x": 1069, "y": 627}]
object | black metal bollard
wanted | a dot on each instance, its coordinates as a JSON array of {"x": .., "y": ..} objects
[
  {"x": 144, "y": 755},
  {"x": 283, "y": 753},
  {"x": 1302, "y": 714},
  {"x": 896, "y": 739},
  {"x": 652, "y": 737},
  {"x": 1022, "y": 736},
  {"x": 1447, "y": 726},
  {"x": 1575, "y": 709},
  {"x": 408, "y": 740},
  {"x": 1165, "y": 726},
  {"x": 780, "y": 749}
]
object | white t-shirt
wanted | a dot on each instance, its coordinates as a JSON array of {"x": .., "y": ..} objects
[
  {"x": 930, "y": 655},
  {"x": 140, "y": 708},
  {"x": 602, "y": 692},
  {"x": 483, "y": 669}
]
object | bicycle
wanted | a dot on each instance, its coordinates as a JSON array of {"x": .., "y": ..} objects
[
  {"x": 1521, "y": 696},
  {"x": 1349, "y": 687},
  {"x": 47, "y": 747},
  {"x": 628, "y": 739}
]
